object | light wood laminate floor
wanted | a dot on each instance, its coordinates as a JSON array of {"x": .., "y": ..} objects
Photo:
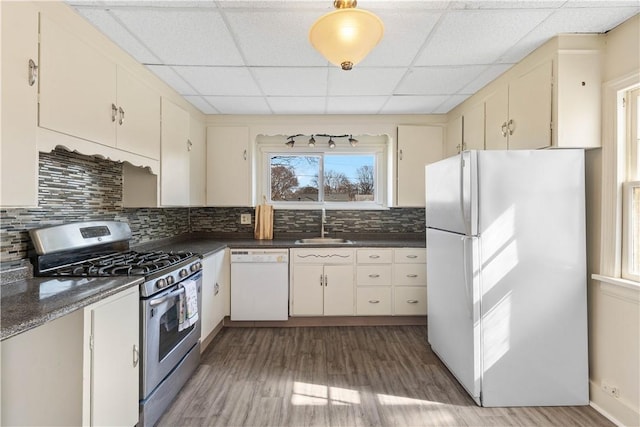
[{"x": 340, "y": 376}]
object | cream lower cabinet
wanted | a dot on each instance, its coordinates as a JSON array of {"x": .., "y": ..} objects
[
  {"x": 215, "y": 280},
  {"x": 373, "y": 282},
  {"x": 409, "y": 281},
  {"x": 322, "y": 282},
  {"x": 80, "y": 369}
]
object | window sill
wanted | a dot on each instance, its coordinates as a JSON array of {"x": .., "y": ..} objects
[{"x": 623, "y": 289}]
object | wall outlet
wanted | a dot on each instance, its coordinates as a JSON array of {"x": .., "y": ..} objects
[
  {"x": 610, "y": 389},
  {"x": 245, "y": 219}
]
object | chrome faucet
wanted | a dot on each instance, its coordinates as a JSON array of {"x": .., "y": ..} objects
[{"x": 323, "y": 221}]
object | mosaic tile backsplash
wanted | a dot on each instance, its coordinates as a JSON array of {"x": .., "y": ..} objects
[{"x": 73, "y": 187}]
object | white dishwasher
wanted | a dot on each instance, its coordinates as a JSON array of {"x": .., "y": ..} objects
[{"x": 259, "y": 284}]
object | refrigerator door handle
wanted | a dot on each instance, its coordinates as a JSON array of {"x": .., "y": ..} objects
[
  {"x": 468, "y": 284},
  {"x": 464, "y": 219}
]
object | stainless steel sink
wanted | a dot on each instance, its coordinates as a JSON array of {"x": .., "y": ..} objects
[{"x": 323, "y": 241}]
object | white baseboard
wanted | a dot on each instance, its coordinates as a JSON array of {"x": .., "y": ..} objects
[{"x": 605, "y": 414}]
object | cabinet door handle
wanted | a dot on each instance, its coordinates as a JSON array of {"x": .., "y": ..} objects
[
  {"x": 412, "y": 256},
  {"x": 216, "y": 289},
  {"x": 33, "y": 72},
  {"x": 412, "y": 276},
  {"x": 503, "y": 129},
  {"x": 189, "y": 145},
  {"x": 374, "y": 256},
  {"x": 136, "y": 356},
  {"x": 326, "y": 280},
  {"x": 114, "y": 112},
  {"x": 321, "y": 280},
  {"x": 374, "y": 276},
  {"x": 244, "y": 154},
  {"x": 400, "y": 154},
  {"x": 510, "y": 126},
  {"x": 374, "y": 301},
  {"x": 121, "y": 112},
  {"x": 412, "y": 301}
]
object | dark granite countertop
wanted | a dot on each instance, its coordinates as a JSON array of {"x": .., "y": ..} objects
[
  {"x": 29, "y": 303},
  {"x": 208, "y": 243}
]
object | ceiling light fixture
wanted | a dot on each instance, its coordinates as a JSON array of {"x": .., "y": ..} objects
[
  {"x": 290, "y": 142},
  {"x": 312, "y": 141},
  {"x": 353, "y": 141},
  {"x": 332, "y": 144},
  {"x": 346, "y": 35}
]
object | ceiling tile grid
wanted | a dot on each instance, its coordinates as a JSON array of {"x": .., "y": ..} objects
[{"x": 254, "y": 57}]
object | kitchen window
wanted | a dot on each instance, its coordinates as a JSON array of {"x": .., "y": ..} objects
[
  {"x": 631, "y": 191},
  {"x": 312, "y": 177}
]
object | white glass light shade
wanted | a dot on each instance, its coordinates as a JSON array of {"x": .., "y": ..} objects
[{"x": 346, "y": 36}]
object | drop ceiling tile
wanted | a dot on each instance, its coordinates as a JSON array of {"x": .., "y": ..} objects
[
  {"x": 485, "y": 77},
  {"x": 173, "y": 79},
  {"x": 437, "y": 80},
  {"x": 290, "y": 81},
  {"x": 105, "y": 22},
  {"x": 450, "y": 104},
  {"x": 355, "y": 104},
  {"x": 363, "y": 81},
  {"x": 297, "y": 104},
  {"x": 201, "y": 104},
  {"x": 238, "y": 104},
  {"x": 277, "y": 37},
  {"x": 507, "y": 4},
  {"x": 182, "y": 36},
  {"x": 413, "y": 104},
  {"x": 569, "y": 20},
  {"x": 227, "y": 81},
  {"x": 404, "y": 35},
  {"x": 478, "y": 36}
]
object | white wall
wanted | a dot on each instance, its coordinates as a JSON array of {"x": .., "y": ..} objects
[{"x": 614, "y": 311}]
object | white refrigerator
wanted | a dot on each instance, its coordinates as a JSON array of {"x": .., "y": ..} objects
[{"x": 506, "y": 275}]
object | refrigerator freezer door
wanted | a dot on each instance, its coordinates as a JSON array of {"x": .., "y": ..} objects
[
  {"x": 451, "y": 194},
  {"x": 453, "y": 306}
]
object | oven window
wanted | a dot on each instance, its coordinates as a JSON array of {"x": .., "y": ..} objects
[{"x": 169, "y": 335}]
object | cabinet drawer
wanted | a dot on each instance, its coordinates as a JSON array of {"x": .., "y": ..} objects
[
  {"x": 373, "y": 301},
  {"x": 410, "y": 255},
  {"x": 410, "y": 274},
  {"x": 323, "y": 256},
  {"x": 410, "y": 300},
  {"x": 375, "y": 256},
  {"x": 374, "y": 274}
]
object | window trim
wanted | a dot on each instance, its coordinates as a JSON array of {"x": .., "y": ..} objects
[
  {"x": 378, "y": 149},
  {"x": 631, "y": 99},
  {"x": 627, "y": 231}
]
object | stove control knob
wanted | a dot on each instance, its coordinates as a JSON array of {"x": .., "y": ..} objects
[
  {"x": 184, "y": 272},
  {"x": 170, "y": 280},
  {"x": 195, "y": 267},
  {"x": 161, "y": 283}
]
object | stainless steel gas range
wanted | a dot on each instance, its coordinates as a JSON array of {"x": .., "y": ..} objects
[{"x": 170, "y": 352}]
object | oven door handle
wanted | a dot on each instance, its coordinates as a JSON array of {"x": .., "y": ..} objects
[{"x": 158, "y": 301}]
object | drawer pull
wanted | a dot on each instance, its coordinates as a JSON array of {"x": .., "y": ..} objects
[
  {"x": 412, "y": 276},
  {"x": 374, "y": 301},
  {"x": 374, "y": 256},
  {"x": 374, "y": 276},
  {"x": 412, "y": 301},
  {"x": 412, "y": 256}
]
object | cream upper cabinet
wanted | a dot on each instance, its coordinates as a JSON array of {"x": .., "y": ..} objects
[
  {"x": 18, "y": 148},
  {"x": 228, "y": 166},
  {"x": 453, "y": 141},
  {"x": 518, "y": 116},
  {"x": 473, "y": 129},
  {"x": 138, "y": 118},
  {"x": 197, "y": 162},
  {"x": 174, "y": 156},
  {"x": 86, "y": 95},
  {"x": 417, "y": 147}
]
